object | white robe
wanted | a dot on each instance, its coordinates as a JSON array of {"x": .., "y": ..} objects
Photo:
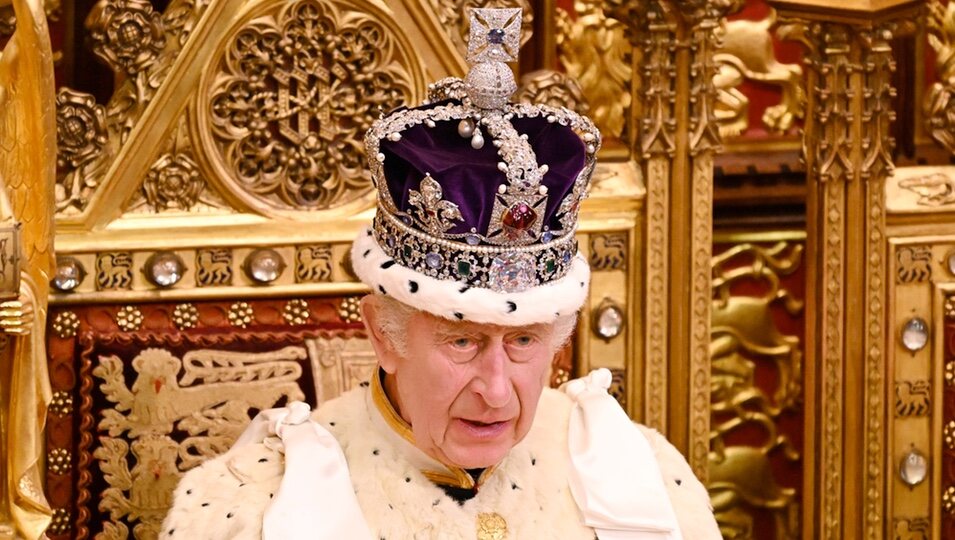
[{"x": 226, "y": 497}]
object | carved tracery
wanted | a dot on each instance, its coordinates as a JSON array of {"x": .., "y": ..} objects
[{"x": 290, "y": 97}]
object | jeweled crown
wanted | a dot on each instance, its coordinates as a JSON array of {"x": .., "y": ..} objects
[{"x": 478, "y": 190}]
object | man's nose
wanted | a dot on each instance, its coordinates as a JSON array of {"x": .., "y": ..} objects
[{"x": 494, "y": 384}]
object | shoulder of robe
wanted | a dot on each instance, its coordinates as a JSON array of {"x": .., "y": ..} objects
[
  {"x": 226, "y": 497},
  {"x": 689, "y": 496}
]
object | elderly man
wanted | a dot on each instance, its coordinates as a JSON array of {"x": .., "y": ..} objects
[{"x": 473, "y": 261}]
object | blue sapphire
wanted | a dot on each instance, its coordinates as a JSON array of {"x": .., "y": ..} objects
[{"x": 495, "y": 36}]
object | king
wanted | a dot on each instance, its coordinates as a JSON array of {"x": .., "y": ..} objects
[{"x": 476, "y": 281}]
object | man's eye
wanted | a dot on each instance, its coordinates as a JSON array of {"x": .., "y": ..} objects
[
  {"x": 523, "y": 341},
  {"x": 462, "y": 343}
]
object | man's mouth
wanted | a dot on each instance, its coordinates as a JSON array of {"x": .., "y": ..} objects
[
  {"x": 484, "y": 430},
  {"x": 477, "y": 423}
]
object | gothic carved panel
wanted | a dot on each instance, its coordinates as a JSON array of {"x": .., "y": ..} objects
[
  {"x": 594, "y": 51},
  {"x": 757, "y": 374},
  {"x": 747, "y": 53},
  {"x": 141, "y": 45},
  {"x": 940, "y": 105},
  {"x": 290, "y": 96}
]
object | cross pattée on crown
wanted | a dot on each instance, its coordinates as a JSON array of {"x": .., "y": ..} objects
[{"x": 495, "y": 35}]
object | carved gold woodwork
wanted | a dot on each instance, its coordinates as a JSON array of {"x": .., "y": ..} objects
[
  {"x": 920, "y": 190},
  {"x": 608, "y": 252},
  {"x": 914, "y": 264},
  {"x": 745, "y": 337},
  {"x": 313, "y": 263},
  {"x": 940, "y": 105},
  {"x": 287, "y": 133},
  {"x": 140, "y": 45},
  {"x": 213, "y": 267},
  {"x": 553, "y": 88},
  {"x": 675, "y": 43},
  {"x": 746, "y": 52},
  {"x": 114, "y": 270},
  {"x": 847, "y": 149},
  {"x": 594, "y": 51},
  {"x": 919, "y": 377}
]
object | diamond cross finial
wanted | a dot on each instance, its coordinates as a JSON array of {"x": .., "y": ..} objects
[{"x": 495, "y": 35}]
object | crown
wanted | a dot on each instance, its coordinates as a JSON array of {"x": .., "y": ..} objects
[{"x": 474, "y": 189}]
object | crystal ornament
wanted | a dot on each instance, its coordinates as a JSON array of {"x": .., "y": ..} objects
[
  {"x": 915, "y": 334},
  {"x": 512, "y": 272},
  {"x": 164, "y": 269},
  {"x": 609, "y": 321},
  {"x": 69, "y": 274},
  {"x": 264, "y": 265},
  {"x": 913, "y": 468}
]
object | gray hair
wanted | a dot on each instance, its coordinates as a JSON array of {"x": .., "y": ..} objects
[{"x": 394, "y": 316}]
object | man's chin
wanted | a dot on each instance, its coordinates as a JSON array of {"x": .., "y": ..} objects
[{"x": 478, "y": 458}]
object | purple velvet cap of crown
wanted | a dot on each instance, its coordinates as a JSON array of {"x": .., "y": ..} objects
[{"x": 470, "y": 177}]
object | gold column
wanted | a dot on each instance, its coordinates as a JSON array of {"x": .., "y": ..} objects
[
  {"x": 848, "y": 156},
  {"x": 674, "y": 139}
]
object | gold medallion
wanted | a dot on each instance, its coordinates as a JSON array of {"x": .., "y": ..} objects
[{"x": 491, "y": 526}]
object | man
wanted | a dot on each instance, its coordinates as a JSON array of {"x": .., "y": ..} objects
[{"x": 473, "y": 260}]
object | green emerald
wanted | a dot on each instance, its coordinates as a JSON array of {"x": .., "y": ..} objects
[
  {"x": 407, "y": 251},
  {"x": 550, "y": 265},
  {"x": 464, "y": 268}
]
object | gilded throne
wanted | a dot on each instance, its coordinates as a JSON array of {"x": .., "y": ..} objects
[{"x": 209, "y": 179}]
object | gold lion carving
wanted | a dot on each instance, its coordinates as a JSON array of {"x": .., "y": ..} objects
[
  {"x": 313, "y": 263},
  {"x": 745, "y": 336},
  {"x": 747, "y": 53},
  {"x": 213, "y": 267}
]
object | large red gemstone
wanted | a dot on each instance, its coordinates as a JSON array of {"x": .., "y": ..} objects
[{"x": 519, "y": 217}]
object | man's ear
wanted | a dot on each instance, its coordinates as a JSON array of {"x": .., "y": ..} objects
[{"x": 371, "y": 315}]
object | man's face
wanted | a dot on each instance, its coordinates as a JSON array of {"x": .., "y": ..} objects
[{"x": 469, "y": 391}]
